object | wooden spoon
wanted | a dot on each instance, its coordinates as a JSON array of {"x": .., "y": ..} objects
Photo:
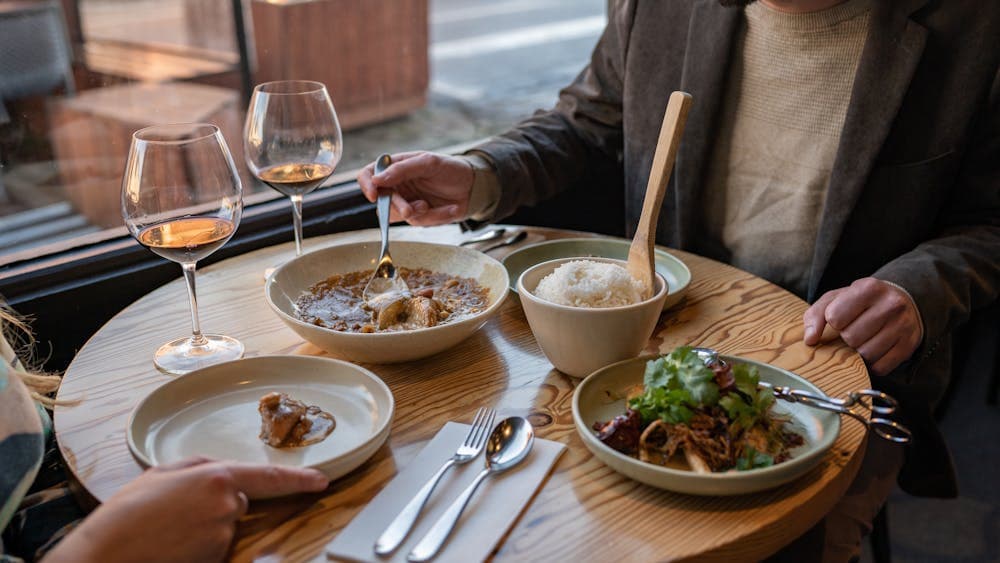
[{"x": 640, "y": 254}]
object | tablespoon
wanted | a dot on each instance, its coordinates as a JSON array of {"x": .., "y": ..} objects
[
  {"x": 512, "y": 239},
  {"x": 508, "y": 445},
  {"x": 385, "y": 284},
  {"x": 492, "y": 234}
]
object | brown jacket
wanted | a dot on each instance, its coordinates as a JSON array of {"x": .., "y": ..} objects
[{"x": 914, "y": 195}]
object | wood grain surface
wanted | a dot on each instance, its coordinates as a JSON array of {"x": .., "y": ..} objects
[{"x": 585, "y": 511}]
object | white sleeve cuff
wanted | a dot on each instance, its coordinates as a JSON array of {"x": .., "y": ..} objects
[{"x": 485, "y": 193}]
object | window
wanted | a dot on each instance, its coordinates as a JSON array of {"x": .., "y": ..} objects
[{"x": 403, "y": 75}]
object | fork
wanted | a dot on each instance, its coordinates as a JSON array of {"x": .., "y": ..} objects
[{"x": 474, "y": 441}]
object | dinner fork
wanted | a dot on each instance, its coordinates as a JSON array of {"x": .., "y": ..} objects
[{"x": 474, "y": 441}]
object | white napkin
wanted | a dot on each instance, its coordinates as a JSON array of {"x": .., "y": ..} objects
[{"x": 494, "y": 508}]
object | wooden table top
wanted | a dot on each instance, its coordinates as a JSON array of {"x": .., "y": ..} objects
[{"x": 585, "y": 511}]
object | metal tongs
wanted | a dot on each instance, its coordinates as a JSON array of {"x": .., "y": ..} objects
[{"x": 860, "y": 405}]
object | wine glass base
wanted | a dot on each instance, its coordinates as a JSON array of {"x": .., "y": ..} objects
[{"x": 182, "y": 356}]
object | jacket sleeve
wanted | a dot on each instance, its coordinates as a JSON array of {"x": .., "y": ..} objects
[
  {"x": 958, "y": 271},
  {"x": 554, "y": 149}
]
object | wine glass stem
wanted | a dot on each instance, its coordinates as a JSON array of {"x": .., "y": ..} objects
[
  {"x": 197, "y": 339},
  {"x": 297, "y": 222}
]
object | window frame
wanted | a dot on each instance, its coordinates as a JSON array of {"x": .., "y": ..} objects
[{"x": 68, "y": 290}]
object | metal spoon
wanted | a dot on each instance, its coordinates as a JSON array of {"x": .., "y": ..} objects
[
  {"x": 385, "y": 284},
  {"x": 492, "y": 234},
  {"x": 512, "y": 239},
  {"x": 508, "y": 445}
]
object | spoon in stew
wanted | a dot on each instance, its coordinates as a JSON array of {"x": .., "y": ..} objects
[{"x": 385, "y": 286}]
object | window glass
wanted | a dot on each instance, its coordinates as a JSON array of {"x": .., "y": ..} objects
[{"x": 78, "y": 77}]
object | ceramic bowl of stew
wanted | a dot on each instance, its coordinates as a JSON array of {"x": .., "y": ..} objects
[{"x": 454, "y": 292}]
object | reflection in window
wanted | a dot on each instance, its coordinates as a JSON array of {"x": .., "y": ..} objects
[{"x": 78, "y": 77}]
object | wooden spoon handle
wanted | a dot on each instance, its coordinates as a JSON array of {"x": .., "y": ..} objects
[{"x": 640, "y": 254}]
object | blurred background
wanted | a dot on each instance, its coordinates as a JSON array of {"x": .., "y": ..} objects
[{"x": 77, "y": 77}]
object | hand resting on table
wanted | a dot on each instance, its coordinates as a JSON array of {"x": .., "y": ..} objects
[
  {"x": 181, "y": 512},
  {"x": 876, "y": 318}
]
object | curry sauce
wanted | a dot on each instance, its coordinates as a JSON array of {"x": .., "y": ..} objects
[{"x": 436, "y": 298}]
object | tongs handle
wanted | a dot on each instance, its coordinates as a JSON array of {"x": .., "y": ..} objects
[
  {"x": 890, "y": 430},
  {"x": 867, "y": 397},
  {"x": 864, "y": 399}
]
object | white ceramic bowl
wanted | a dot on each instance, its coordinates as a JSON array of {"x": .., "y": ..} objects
[
  {"x": 293, "y": 278},
  {"x": 672, "y": 269},
  {"x": 212, "y": 412},
  {"x": 579, "y": 340},
  {"x": 601, "y": 397}
]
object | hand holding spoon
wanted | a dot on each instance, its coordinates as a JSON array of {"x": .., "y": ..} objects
[
  {"x": 640, "y": 254},
  {"x": 385, "y": 285}
]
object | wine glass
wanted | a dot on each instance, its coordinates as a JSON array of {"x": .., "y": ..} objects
[
  {"x": 292, "y": 140},
  {"x": 182, "y": 199}
]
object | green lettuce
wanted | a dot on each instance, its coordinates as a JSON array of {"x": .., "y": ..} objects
[
  {"x": 675, "y": 385},
  {"x": 752, "y": 459},
  {"x": 750, "y": 403}
]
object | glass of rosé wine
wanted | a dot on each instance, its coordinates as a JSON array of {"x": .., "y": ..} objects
[
  {"x": 182, "y": 198},
  {"x": 292, "y": 140}
]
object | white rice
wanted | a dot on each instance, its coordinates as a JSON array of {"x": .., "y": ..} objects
[{"x": 586, "y": 283}]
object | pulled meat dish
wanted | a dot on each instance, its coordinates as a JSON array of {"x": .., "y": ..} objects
[
  {"x": 435, "y": 298},
  {"x": 287, "y": 423},
  {"x": 706, "y": 418}
]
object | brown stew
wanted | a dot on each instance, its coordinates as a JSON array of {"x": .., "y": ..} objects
[{"x": 436, "y": 298}]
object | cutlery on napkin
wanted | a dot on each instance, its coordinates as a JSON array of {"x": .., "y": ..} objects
[
  {"x": 468, "y": 450},
  {"x": 496, "y": 507}
]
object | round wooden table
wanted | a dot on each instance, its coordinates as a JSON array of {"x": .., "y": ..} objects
[{"x": 585, "y": 511}]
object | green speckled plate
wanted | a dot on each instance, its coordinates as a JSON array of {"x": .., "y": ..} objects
[
  {"x": 676, "y": 273},
  {"x": 600, "y": 397}
]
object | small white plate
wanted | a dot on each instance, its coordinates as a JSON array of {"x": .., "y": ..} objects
[
  {"x": 213, "y": 412},
  {"x": 601, "y": 397}
]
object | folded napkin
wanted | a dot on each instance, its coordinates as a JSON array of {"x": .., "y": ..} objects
[{"x": 494, "y": 508}]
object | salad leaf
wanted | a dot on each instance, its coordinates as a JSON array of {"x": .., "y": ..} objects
[
  {"x": 746, "y": 378},
  {"x": 670, "y": 405},
  {"x": 752, "y": 459},
  {"x": 675, "y": 385},
  {"x": 747, "y": 407},
  {"x": 683, "y": 369}
]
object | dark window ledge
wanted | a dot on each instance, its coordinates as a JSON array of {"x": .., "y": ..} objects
[{"x": 68, "y": 295}]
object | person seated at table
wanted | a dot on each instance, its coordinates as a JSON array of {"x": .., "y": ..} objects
[
  {"x": 844, "y": 150},
  {"x": 181, "y": 512}
]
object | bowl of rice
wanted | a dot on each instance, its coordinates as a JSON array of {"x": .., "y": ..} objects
[{"x": 586, "y": 313}]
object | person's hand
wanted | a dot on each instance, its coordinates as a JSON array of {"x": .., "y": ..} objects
[
  {"x": 182, "y": 512},
  {"x": 428, "y": 188},
  {"x": 874, "y": 317}
]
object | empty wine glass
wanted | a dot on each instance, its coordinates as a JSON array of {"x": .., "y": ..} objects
[
  {"x": 292, "y": 140},
  {"x": 182, "y": 198}
]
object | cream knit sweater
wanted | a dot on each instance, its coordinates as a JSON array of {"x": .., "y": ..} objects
[{"x": 786, "y": 97}]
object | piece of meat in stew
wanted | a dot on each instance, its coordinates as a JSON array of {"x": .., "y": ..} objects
[{"x": 287, "y": 423}]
